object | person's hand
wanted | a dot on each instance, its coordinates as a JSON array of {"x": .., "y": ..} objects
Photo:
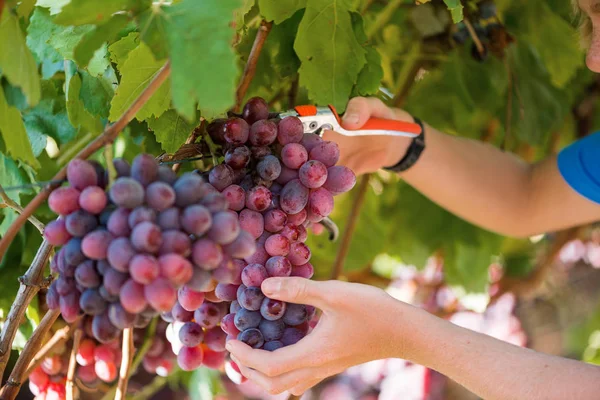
[
  {"x": 359, "y": 323},
  {"x": 365, "y": 154}
]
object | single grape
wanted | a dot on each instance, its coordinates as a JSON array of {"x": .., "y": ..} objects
[
  {"x": 85, "y": 352},
  {"x": 260, "y": 256},
  {"x": 126, "y": 192},
  {"x": 52, "y": 297},
  {"x": 230, "y": 273},
  {"x": 295, "y": 314},
  {"x": 52, "y": 365},
  {"x": 221, "y": 176},
  {"x": 166, "y": 175},
  {"x": 291, "y": 336},
  {"x": 269, "y": 168},
  {"x": 118, "y": 222},
  {"x": 310, "y": 140},
  {"x": 190, "y": 358},
  {"x": 64, "y": 200},
  {"x": 254, "y": 275},
  {"x": 272, "y": 329},
  {"x": 95, "y": 244},
  {"x": 175, "y": 241},
  {"x": 225, "y": 227},
  {"x": 275, "y": 220},
  {"x": 243, "y": 246},
  {"x": 228, "y": 325},
  {"x": 278, "y": 266},
  {"x": 189, "y": 189},
  {"x": 303, "y": 234},
  {"x": 189, "y": 299},
  {"x": 277, "y": 245},
  {"x": 180, "y": 314},
  {"x": 73, "y": 253},
  {"x": 144, "y": 268},
  {"x": 201, "y": 281},
  {"x": 340, "y": 179},
  {"x": 93, "y": 199},
  {"x": 290, "y": 130},
  {"x": 297, "y": 219},
  {"x": 122, "y": 166},
  {"x": 259, "y": 152},
  {"x": 86, "y": 274},
  {"x": 141, "y": 214},
  {"x": 326, "y": 152},
  {"x": 236, "y": 131},
  {"x": 234, "y": 307},
  {"x": 80, "y": 222},
  {"x": 206, "y": 254},
  {"x": 293, "y": 155},
  {"x": 104, "y": 331},
  {"x": 177, "y": 269},
  {"x": 238, "y": 157},
  {"x": 91, "y": 302},
  {"x": 255, "y": 109},
  {"x": 119, "y": 317},
  {"x": 271, "y": 309},
  {"x": 56, "y": 233},
  {"x": 320, "y": 202},
  {"x": 214, "y": 359},
  {"x": 106, "y": 371},
  {"x": 160, "y": 294},
  {"x": 147, "y": 237},
  {"x": 251, "y": 298},
  {"x": 119, "y": 254},
  {"x": 294, "y": 197},
  {"x": 144, "y": 169},
  {"x": 258, "y": 198},
  {"x": 81, "y": 174},
  {"x": 303, "y": 271},
  {"x": 113, "y": 280},
  {"x": 313, "y": 174},
  {"x": 216, "y": 131},
  {"x": 69, "y": 306},
  {"x": 169, "y": 219},
  {"x": 132, "y": 296},
  {"x": 191, "y": 334},
  {"x": 160, "y": 196},
  {"x": 246, "y": 319},
  {"x": 252, "y": 337},
  {"x": 272, "y": 345},
  {"x": 252, "y": 222},
  {"x": 215, "y": 339},
  {"x": 208, "y": 315},
  {"x": 299, "y": 253},
  {"x": 263, "y": 133}
]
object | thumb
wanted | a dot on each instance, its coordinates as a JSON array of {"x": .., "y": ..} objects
[{"x": 296, "y": 290}]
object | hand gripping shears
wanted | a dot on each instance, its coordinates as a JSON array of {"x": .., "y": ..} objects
[{"x": 317, "y": 119}]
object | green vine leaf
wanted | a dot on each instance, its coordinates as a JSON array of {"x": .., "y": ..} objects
[
  {"x": 170, "y": 130},
  {"x": 14, "y": 134},
  {"x": 280, "y": 10},
  {"x": 81, "y": 12},
  {"x": 456, "y": 10},
  {"x": 93, "y": 40}
]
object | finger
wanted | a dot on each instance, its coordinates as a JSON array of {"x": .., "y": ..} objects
[
  {"x": 298, "y": 290},
  {"x": 279, "y": 384},
  {"x": 299, "y": 390},
  {"x": 280, "y": 361},
  {"x": 360, "y": 109}
]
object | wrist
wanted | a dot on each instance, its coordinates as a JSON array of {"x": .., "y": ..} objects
[{"x": 395, "y": 151}]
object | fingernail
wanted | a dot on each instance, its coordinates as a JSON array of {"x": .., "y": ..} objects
[
  {"x": 271, "y": 286},
  {"x": 229, "y": 345},
  {"x": 350, "y": 118}
]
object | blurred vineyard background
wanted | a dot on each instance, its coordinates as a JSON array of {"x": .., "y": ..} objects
[{"x": 507, "y": 72}]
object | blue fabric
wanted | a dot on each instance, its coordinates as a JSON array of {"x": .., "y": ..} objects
[{"x": 579, "y": 164}]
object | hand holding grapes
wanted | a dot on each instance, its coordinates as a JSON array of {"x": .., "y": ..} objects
[
  {"x": 365, "y": 154},
  {"x": 359, "y": 323}
]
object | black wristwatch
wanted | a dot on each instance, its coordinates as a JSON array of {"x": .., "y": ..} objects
[{"x": 412, "y": 153}]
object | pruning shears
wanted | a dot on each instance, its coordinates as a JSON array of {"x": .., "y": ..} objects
[{"x": 317, "y": 119}]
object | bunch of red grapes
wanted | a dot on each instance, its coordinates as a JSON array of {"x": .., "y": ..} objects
[{"x": 195, "y": 249}]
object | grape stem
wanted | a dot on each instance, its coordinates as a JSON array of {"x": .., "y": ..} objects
[
  {"x": 350, "y": 226},
  {"x": 59, "y": 337},
  {"x": 18, "y": 374},
  {"x": 126, "y": 360},
  {"x": 250, "y": 68},
  {"x": 29, "y": 286},
  {"x": 196, "y": 133},
  {"x": 473, "y": 34},
  {"x": 109, "y": 154},
  {"x": 10, "y": 203},
  {"x": 108, "y": 136},
  {"x": 70, "y": 386}
]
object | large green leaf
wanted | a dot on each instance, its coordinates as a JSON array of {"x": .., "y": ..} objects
[
  {"x": 81, "y": 12},
  {"x": 40, "y": 27},
  {"x": 200, "y": 38},
  {"x": 153, "y": 31},
  {"x": 120, "y": 49},
  {"x": 331, "y": 56},
  {"x": 170, "y": 130},
  {"x": 16, "y": 61},
  {"x": 137, "y": 72},
  {"x": 280, "y": 10},
  {"x": 78, "y": 115},
  {"x": 93, "y": 40},
  {"x": 14, "y": 133}
]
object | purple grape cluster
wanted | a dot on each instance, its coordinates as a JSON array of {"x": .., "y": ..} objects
[
  {"x": 280, "y": 181},
  {"x": 150, "y": 243}
]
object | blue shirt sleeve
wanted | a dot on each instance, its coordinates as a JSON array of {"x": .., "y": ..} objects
[{"x": 579, "y": 165}]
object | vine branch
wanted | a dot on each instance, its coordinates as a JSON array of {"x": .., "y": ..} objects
[
  {"x": 18, "y": 374},
  {"x": 350, "y": 226},
  {"x": 126, "y": 359},
  {"x": 473, "y": 34},
  {"x": 108, "y": 136},
  {"x": 59, "y": 337},
  {"x": 250, "y": 68},
  {"x": 10, "y": 203},
  {"x": 70, "y": 385},
  {"x": 30, "y": 285}
]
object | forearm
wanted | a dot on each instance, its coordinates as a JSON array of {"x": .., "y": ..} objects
[{"x": 494, "y": 369}]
